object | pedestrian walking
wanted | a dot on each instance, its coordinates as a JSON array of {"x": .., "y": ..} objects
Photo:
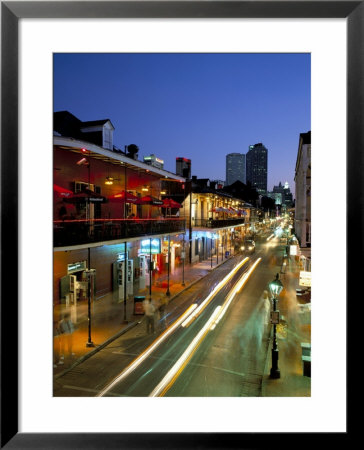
[
  {"x": 67, "y": 328},
  {"x": 56, "y": 344},
  {"x": 267, "y": 307},
  {"x": 149, "y": 310}
]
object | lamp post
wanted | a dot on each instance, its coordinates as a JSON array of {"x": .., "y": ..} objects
[
  {"x": 275, "y": 288},
  {"x": 190, "y": 224},
  {"x": 125, "y": 278},
  {"x": 217, "y": 249},
  {"x": 183, "y": 262},
  {"x": 169, "y": 265},
  {"x": 150, "y": 269},
  {"x": 211, "y": 249},
  {"x": 90, "y": 277}
]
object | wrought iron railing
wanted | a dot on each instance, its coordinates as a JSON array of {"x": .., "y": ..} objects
[
  {"x": 77, "y": 232},
  {"x": 217, "y": 223}
]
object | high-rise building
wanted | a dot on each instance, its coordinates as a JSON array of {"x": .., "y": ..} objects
[
  {"x": 235, "y": 168},
  {"x": 286, "y": 195},
  {"x": 257, "y": 167},
  {"x": 183, "y": 167}
]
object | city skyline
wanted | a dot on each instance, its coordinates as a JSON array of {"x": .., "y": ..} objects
[{"x": 196, "y": 106}]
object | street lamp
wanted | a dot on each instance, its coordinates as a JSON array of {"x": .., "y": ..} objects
[
  {"x": 211, "y": 249},
  {"x": 183, "y": 262},
  {"x": 217, "y": 249},
  {"x": 168, "y": 294},
  {"x": 275, "y": 288},
  {"x": 150, "y": 269},
  {"x": 125, "y": 275},
  {"x": 90, "y": 273}
]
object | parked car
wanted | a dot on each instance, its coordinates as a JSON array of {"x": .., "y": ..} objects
[{"x": 248, "y": 246}]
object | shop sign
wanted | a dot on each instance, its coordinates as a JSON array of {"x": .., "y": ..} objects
[
  {"x": 305, "y": 279},
  {"x": 76, "y": 267},
  {"x": 150, "y": 246}
]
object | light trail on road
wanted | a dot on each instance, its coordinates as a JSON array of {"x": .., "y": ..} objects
[
  {"x": 217, "y": 288},
  {"x": 181, "y": 320},
  {"x": 167, "y": 382},
  {"x": 134, "y": 364},
  {"x": 178, "y": 367},
  {"x": 239, "y": 285}
]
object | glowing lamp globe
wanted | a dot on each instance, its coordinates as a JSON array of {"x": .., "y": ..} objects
[{"x": 275, "y": 287}]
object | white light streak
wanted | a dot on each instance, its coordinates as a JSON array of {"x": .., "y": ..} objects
[
  {"x": 186, "y": 318},
  {"x": 128, "y": 370},
  {"x": 168, "y": 380},
  {"x": 236, "y": 289},
  {"x": 217, "y": 288}
]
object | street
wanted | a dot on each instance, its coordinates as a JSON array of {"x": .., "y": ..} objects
[{"x": 225, "y": 361}]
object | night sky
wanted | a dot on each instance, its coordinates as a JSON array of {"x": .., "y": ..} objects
[{"x": 198, "y": 106}]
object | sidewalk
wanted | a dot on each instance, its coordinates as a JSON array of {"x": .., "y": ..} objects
[
  {"x": 107, "y": 317},
  {"x": 295, "y": 329}
]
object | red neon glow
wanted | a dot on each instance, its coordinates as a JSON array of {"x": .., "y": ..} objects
[{"x": 116, "y": 220}]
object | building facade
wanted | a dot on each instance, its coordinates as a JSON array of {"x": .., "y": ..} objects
[
  {"x": 109, "y": 218},
  {"x": 235, "y": 168},
  {"x": 216, "y": 222},
  {"x": 257, "y": 167},
  {"x": 303, "y": 194}
]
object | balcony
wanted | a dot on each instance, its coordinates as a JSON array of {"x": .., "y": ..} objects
[
  {"x": 78, "y": 232},
  {"x": 217, "y": 223}
]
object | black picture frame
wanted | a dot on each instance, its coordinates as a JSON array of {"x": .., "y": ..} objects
[{"x": 11, "y": 12}]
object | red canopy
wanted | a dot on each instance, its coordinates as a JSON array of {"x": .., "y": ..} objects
[
  {"x": 170, "y": 203},
  {"x": 62, "y": 192},
  {"x": 120, "y": 197},
  {"x": 149, "y": 200}
]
